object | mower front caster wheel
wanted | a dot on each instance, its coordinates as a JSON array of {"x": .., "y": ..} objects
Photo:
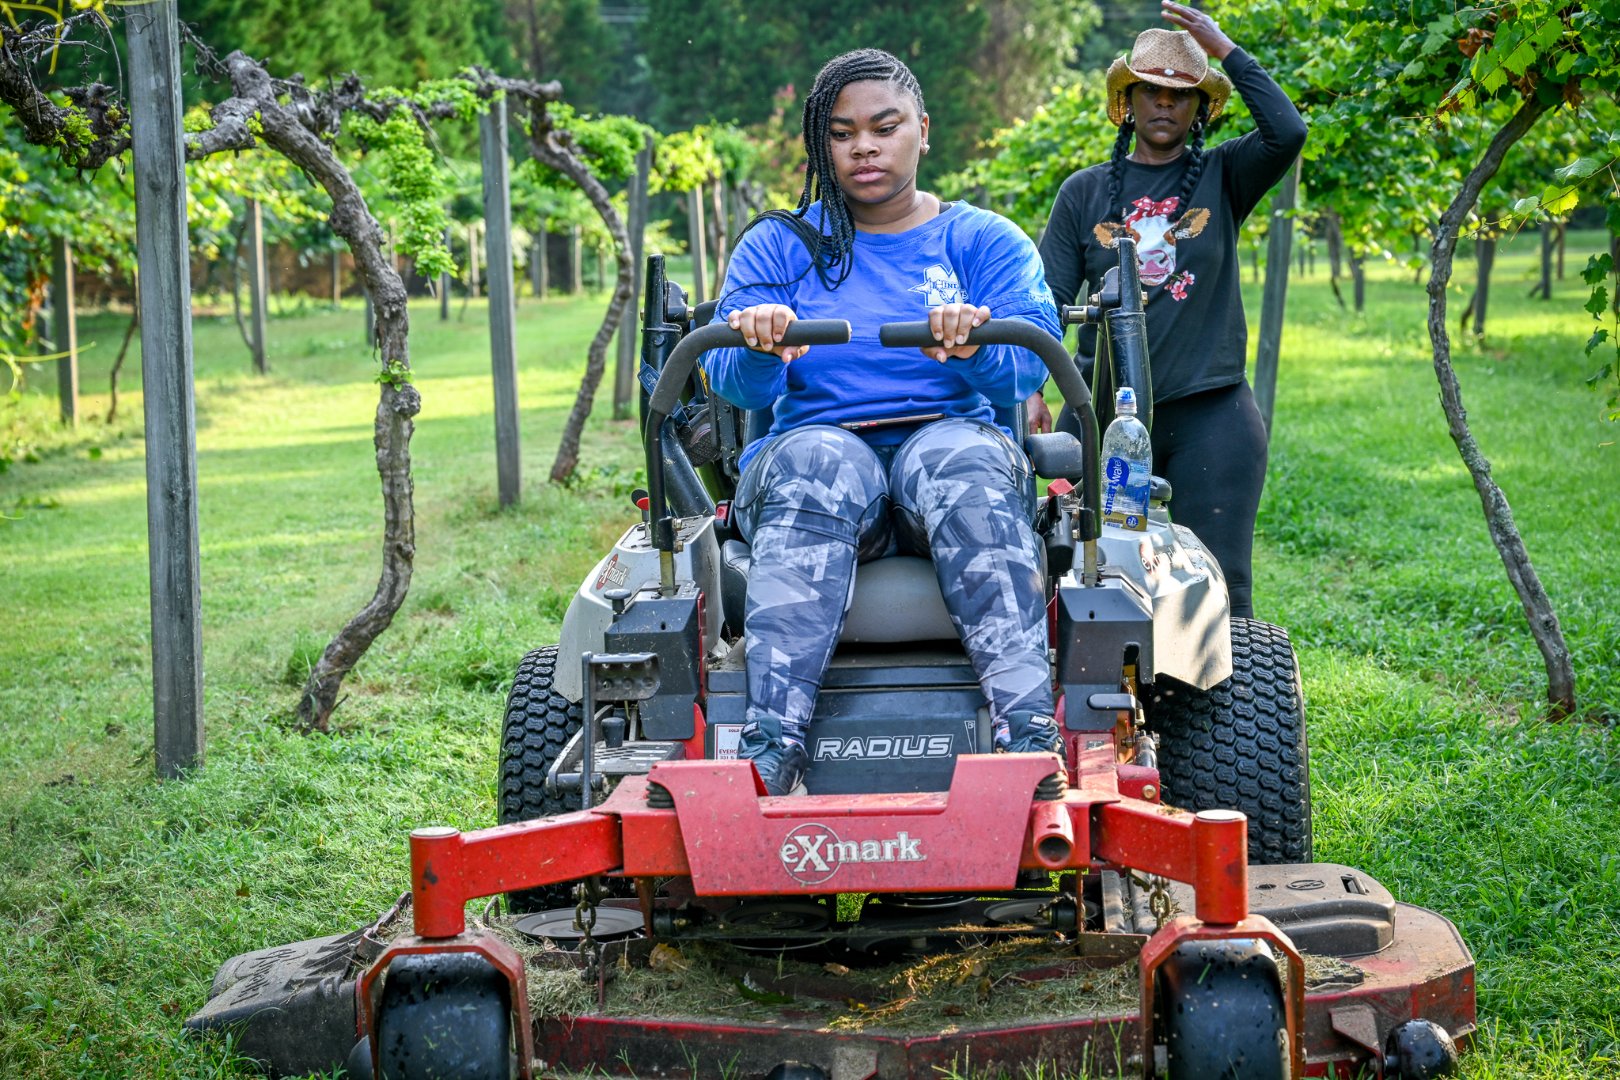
[
  {"x": 1220, "y": 1012},
  {"x": 1419, "y": 1050},
  {"x": 442, "y": 1016}
]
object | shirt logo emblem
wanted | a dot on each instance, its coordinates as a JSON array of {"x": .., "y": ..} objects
[{"x": 939, "y": 286}]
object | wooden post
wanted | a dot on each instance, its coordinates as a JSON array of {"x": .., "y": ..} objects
[
  {"x": 161, "y": 246},
  {"x": 65, "y": 330},
  {"x": 1335, "y": 245},
  {"x": 1546, "y": 258},
  {"x": 1358, "y": 279},
  {"x": 502, "y": 299},
  {"x": 601, "y": 268},
  {"x": 472, "y": 261},
  {"x": 1563, "y": 227},
  {"x": 576, "y": 260},
  {"x": 1276, "y": 293},
  {"x": 624, "y": 378},
  {"x": 256, "y": 283},
  {"x": 1484, "y": 259},
  {"x": 537, "y": 265},
  {"x": 721, "y": 241},
  {"x": 543, "y": 258},
  {"x": 444, "y": 284},
  {"x": 337, "y": 278},
  {"x": 694, "y": 236}
]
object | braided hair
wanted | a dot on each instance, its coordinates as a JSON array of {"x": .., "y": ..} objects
[
  {"x": 832, "y": 244},
  {"x": 1193, "y": 159}
]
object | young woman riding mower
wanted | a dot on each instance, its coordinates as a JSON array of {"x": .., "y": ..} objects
[
  {"x": 814, "y": 499},
  {"x": 1185, "y": 206}
]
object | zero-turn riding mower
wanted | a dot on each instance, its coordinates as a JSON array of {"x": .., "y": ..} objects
[{"x": 1166, "y": 854}]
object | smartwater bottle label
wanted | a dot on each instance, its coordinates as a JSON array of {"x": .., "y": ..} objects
[{"x": 1124, "y": 502}]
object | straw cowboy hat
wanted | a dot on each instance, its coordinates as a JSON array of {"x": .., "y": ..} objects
[{"x": 1165, "y": 58}]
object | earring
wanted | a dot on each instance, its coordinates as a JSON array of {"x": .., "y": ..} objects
[
  {"x": 925, "y": 148},
  {"x": 1130, "y": 117}
]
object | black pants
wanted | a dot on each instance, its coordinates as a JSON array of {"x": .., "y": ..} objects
[{"x": 1211, "y": 446}]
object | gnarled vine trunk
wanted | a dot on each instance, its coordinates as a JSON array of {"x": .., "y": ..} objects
[
  {"x": 397, "y": 404},
  {"x": 1504, "y": 532}
]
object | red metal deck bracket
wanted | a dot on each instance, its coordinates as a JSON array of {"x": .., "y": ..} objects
[
  {"x": 449, "y": 867},
  {"x": 1207, "y": 850}
]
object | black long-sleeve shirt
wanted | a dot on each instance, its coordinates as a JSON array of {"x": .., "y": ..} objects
[{"x": 1197, "y": 335}]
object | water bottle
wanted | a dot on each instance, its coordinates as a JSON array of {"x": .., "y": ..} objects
[{"x": 1127, "y": 454}]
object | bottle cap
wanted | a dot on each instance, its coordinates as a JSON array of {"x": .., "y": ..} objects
[{"x": 1125, "y": 400}]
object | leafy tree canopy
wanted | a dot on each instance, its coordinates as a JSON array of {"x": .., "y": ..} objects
[{"x": 979, "y": 64}]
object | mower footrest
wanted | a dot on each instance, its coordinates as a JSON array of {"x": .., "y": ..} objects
[{"x": 629, "y": 759}]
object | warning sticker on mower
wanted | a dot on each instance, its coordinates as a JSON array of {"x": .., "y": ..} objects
[
  {"x": 812, "y": 852},
  {"x": 727, "y": 738}
]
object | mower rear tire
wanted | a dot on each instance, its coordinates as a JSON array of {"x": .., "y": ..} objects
[
  {"x": 539, "y": 723},
  {"x": 1240, "y": 745},
  {"x": 1221, "y": 1014},
  {"x": 444, "y": 1015}
]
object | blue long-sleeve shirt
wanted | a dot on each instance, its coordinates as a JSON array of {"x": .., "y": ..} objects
[{"x": 964, "y": 255}]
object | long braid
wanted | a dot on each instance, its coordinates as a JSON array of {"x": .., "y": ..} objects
[
  {"x": 832, "y": 243},
  {"x": 1116, "y": 164}
]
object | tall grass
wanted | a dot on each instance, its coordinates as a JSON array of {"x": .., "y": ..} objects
[{"x": 120, "y": 895}]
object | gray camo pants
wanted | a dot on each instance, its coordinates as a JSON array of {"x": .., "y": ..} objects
[{"x": 818, "y": 500}]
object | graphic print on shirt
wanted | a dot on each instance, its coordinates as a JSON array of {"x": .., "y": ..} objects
[
  {"x": 1156, "y": 227},
  {"x": 939, "y": 286}
]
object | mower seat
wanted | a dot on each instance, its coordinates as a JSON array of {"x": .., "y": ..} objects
[{"x": 897, "y": 599}]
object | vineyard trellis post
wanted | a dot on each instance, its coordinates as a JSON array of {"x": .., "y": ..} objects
[
  {"x": 65, "y": 330},
  {"x": 1275, "y": 297},
  {"x": 624, "y": 382},
  {"x": 576, "y": 260},
  {"x": 502, "y": 302},
  {"x": 256, "y": 283},
  {"x": 695, "y": 239},
  {"x": 444, "y": 284},
  {"x": 537, "y": 263},
  {"x": 161, "y": 244}
]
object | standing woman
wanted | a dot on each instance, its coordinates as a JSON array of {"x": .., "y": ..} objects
[
  {"x": 874, "y": 450},
  {"x": 1184, "y": 206}
]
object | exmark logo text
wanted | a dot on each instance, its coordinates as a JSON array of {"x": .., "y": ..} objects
[
  {"x": 883, "y": 747},
  {"x": 812, "y": 853}
]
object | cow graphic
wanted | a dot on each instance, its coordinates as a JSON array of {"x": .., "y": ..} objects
[{"x": 1155, "y": 227}]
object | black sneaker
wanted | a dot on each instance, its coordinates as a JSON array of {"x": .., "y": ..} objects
[
  {"x": 1033, "y": 733},
  {"x": 781, "y": 766}
]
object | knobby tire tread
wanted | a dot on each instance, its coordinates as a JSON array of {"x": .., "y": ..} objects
[
  {"x": 539, "y": 722},
  {"x": 1241, "y": 744}
]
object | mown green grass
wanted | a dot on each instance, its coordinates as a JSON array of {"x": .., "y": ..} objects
[{"x": 120, "y": 895}]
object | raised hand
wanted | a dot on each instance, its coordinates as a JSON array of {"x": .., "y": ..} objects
[{"x": 1203, "y": 29}]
